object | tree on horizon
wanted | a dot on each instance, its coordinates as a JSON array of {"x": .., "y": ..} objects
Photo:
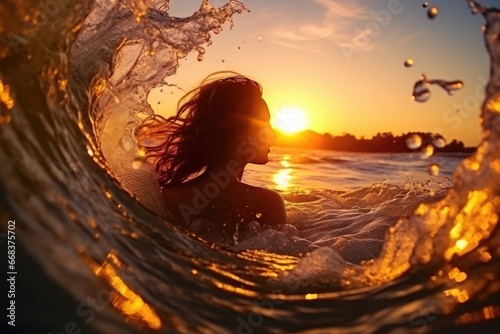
[{"x": 383, "y": 142}]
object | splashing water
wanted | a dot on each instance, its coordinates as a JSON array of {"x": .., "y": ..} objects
[
  {"x": 438, "y": 141},
  {"x": 421, "y": 92},
  {"x": 477, "y": 8},
  {"x": 427, "y": 151},
  {"x": 433, "y": 12},
  {"x": 434, "y": 169},
  {"x": 409, "y": 62},
  {"x": 413, "y": 141}
]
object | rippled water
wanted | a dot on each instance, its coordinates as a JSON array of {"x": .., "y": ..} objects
[
  {"x": 91, "y": 256},
  {"x": 291, "y": 168}
]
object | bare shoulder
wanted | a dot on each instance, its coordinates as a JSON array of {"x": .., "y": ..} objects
[
  {"x": 271, "y": 196},
  {"x": 270, "y": 201}
]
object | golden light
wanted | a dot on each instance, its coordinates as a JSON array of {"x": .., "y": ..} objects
[
  {"x": 290, "y": 120},
  {"x": 282, "y": 178},
  {"x": 122, "y": 297}
]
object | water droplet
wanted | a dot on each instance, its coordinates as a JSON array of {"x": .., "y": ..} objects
[
  {"x": 425, "y": 4},
  {"x": 476, "y": 7},
  {"x": 438, "y": 141},
  {"x": 201, "y": 52},
  {"x": 450, "y": 86},
  {"x": 141, "y": 152},
  {"x": 421, "y": 91},
  {"x": 432, "y": 12},
  {"x": 409, "y": 62},
  {"x": 433, "y": 169},
  {"x": 427, "y": 151},
  {"x": 258, "y": 215},
  {"x": 236, "y": 234},
  {"x": 137, "y": 163},
  {"x": 254, "y": 227},
  {"x": 413, "y": 141},
  {"x": 259, "y": 38}
]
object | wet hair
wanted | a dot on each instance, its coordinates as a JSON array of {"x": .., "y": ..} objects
[{"x": 208, "y": 118}]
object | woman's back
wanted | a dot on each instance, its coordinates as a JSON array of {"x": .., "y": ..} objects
[{"x": 224, "y": 205}]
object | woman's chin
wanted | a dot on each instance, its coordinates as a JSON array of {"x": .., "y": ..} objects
[{"x": 260, "y": 160}]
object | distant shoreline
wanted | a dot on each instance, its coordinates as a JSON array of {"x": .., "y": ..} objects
[
  {"x": 385, "y": 142},
  {"x": 451, "y": 153}
]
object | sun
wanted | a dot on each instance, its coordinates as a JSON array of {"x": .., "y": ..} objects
[{"x": 290, "y": 120}]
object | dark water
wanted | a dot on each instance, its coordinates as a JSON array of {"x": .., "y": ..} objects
[{"x": 90, "y": 256}]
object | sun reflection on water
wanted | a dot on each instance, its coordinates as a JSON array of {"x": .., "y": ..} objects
[{"x": 284, "y": 176}]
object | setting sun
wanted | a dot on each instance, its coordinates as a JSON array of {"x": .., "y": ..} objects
[{"x": 290, "y": 120}]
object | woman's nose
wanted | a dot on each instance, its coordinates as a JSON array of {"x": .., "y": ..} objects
[
  {"x": 273, "y": 134},
  {"x": 270, "y": 134}
]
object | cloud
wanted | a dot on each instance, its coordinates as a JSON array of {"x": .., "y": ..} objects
[
  {"x": 347, "y": 10},
  {"x": 297, "y": 46},
  {"x": 336, "y": 25},
  {"x": 410, "y": 37}
]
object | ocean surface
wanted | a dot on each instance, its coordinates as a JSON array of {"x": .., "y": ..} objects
[
  {"x": 386, "y": 243},
  {"x": 294, "y": 169}
]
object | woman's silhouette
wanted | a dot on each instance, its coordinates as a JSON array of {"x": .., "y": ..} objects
[{"x": 200, "y": 155}]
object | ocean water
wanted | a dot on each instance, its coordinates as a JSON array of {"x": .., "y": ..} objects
[
  {"x": 293, "y": 168},
  {"x": 374, "y": 242}
]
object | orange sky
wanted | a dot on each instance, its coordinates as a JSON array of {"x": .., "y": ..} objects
[{"x": 342, "y": 63}]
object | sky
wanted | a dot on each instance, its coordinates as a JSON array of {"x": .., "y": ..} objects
[{"x": 342, "y": 63}]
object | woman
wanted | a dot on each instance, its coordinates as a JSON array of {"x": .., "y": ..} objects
[{"x": 200, "y": 155}]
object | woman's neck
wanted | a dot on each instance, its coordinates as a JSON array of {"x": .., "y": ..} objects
[{"x": 231, "y": 168}]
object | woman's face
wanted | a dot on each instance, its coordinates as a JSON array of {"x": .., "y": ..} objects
[{"x": 259, "y": 135}]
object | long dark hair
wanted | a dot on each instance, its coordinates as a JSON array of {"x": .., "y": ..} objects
[{"x": 208, "y": 117}]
